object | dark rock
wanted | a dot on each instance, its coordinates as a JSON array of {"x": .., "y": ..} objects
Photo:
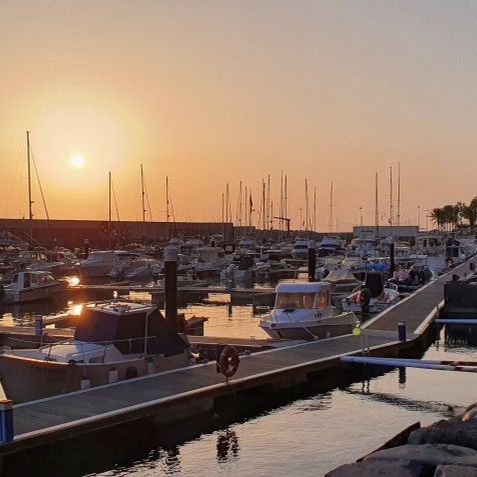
[
  {"x": 455, "y": 471},
  {"x": 428, "y": 455},
  {"x": 378, "y": 469},
  {"x": 470, "y": 413},
  {"x": 453, "y": 431}
]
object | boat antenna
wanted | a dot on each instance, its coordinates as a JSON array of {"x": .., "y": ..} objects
[{"x": 331, "y": 207}]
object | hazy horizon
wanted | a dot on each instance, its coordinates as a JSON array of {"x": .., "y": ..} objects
[{"x": 216, "y": 91}]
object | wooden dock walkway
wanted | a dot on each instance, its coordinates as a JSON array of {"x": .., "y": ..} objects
[
  {"x": 185, "y": 392},
  {"x": 416, "y": 308},
  {"x": 83, "y": 407}
]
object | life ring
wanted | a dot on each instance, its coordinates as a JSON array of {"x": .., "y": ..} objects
[{"x": 228, "y": 361}]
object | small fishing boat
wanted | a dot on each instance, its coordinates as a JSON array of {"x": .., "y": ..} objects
[
  {"x": 113, "y": 341},
  {"x": 30, "y": 286},
  {"x": 374, "y": 295},
  {"x": 304, "y": 311}
]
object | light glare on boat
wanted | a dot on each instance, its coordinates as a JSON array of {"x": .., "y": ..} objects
[
  {"x": 73, "y": 281},
  {"x": 76, "y": 310}
]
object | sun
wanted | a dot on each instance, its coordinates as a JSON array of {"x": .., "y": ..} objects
[{"x": 77, "y": 161}]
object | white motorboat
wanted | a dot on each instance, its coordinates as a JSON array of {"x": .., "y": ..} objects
[
  {"x": 375, "y": 294},
  {"x": 100, "y": 263},
  {"x": 304, "y": 311},
  {"x": 30, "y": 286},
  {"x": 208, "y": 261},
  {"x": 300, "y": 249},
  {"x": 113, "y": 341}
]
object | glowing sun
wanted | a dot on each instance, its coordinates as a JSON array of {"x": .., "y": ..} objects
[{"x": 77, "y": 161}]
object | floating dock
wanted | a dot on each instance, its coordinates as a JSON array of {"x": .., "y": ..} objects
[{"x": 175, "y": 395}]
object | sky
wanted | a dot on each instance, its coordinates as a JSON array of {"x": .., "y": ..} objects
[{"x": 210, "y": 92}]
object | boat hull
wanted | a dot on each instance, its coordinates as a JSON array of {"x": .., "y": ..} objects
[
  {"x": 326, "y": 328},
  {"x": 26, "y": 379},
  {"x": 31, "y": 294}
]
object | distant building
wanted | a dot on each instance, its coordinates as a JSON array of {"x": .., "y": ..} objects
[{"x": 408, "y": 233}]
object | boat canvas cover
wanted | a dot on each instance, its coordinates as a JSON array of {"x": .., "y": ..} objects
[
  {"x": 96, "y": 326},
  {"x": 340, "y": 276},
  {"x": 303, "y": 287}
]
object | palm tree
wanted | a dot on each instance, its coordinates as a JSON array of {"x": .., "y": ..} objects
[
  {"x": 438, "y": 217},
  {"x": 469, "y": 212}
]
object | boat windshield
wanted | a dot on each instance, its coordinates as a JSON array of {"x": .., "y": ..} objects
[{"x": 295, "y": 300}]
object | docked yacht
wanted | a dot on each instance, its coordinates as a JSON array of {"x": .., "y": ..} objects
[
  {"x": 300, "y": 249},
  {"x": 304, "y": 311},
  {"x": 30, "y": 286},
  {"x": 100, "y": 263},
  {"x": 113, "y": 341},
  {"x": 330, "y": 246},
  {"x": 378, "y": 293}
]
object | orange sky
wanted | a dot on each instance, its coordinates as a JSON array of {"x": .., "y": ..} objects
[{"x": 215, "y": 91}]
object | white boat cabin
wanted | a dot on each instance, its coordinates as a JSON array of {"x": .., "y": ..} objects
[
  {"x": 293, "y": 296},
  {"x": 31, "y": 279}
]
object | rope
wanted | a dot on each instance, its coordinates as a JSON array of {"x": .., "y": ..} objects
[{"x": 41, "y": 188}]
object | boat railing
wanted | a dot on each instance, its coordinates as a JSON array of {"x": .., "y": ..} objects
[{"x": 48, "y": 348}]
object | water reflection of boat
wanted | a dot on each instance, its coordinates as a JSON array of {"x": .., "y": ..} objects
[
  {"x": 304, "y": 311},
  {"x": 113, "y": 341}
]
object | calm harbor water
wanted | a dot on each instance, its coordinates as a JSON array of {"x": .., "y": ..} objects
[{"x": 310, "y": 435}]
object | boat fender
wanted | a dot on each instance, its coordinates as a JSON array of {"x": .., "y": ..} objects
[
  {"x": 151, "y": 367},
  {"x": 131, "y": 372},
  {"x": 85, "y": 383},
  {"x": 113, "y": 376},
  {"x": 228, "y": 361}
]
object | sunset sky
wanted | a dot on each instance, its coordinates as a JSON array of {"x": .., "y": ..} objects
[{"x": 209, "y": 92}]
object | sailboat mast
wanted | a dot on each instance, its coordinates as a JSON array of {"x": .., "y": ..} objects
[
  {"x": 376, "y": 206},
  {"x": 331, "y": 207},
  {"x": 143, "y": 196},
  {"x": 143, "y": 201},
  {"x": 250, "y": 209},
  {"x": 264, "y": 207},
  {"x": 307, "y": 219},
  {"x": 223, "y": 214},
  {"x": 391, "y": 195},
  {"x": 109, "y": 207},
  {"x": 167, "y": 200},
  {"x": 281, "y": 210},
  {"x": 268, "y": 203},
  {"x": 30, "y": 202},
  {"x": 314, "y": 209},
  {"x": 398, "y": 218}
]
